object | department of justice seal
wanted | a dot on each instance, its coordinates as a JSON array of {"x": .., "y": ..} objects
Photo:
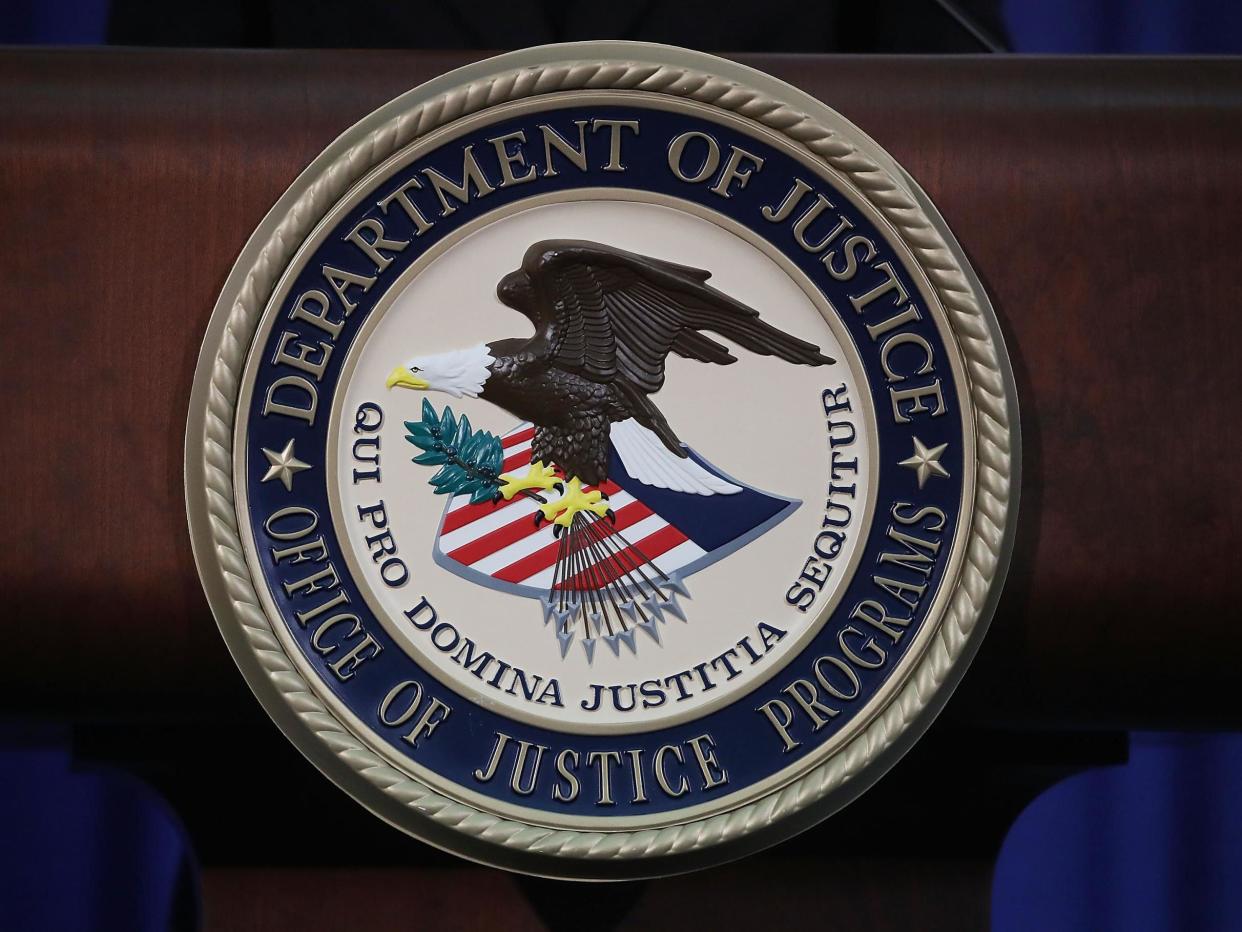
[{"x": 602, "y": 461}]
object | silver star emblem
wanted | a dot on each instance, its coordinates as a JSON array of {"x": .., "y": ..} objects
[
  {"x": 926, "y": 462},
  {"x": 284, "y": 465}
]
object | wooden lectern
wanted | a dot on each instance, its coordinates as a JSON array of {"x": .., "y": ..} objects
[{"x": 1099, "y": 201}]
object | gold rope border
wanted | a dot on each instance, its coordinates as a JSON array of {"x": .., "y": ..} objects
[{"x": 988, "y": 393}]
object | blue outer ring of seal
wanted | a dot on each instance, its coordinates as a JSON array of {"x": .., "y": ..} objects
[{"x": 745, "y": 742}]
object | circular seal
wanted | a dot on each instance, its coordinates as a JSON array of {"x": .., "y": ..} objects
[{"x": 601, "y": 461}]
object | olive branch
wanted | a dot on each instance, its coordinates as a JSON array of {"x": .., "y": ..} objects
[{"x": 470, "y": 460}]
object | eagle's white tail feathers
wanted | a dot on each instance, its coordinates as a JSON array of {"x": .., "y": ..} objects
[{"x": 648, "y": 460}]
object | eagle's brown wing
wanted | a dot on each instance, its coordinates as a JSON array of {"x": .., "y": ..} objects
[{"x": 614, "y": 316}]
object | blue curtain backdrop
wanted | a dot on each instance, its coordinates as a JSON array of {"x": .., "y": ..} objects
[
  {"x": 1154, "y": 845},
  {"x": 1132, "y": 27},
  {"x": 85, "y": 849},
  {"x": 1047, "y": 26},
  {"x": 54, "y": 22}
]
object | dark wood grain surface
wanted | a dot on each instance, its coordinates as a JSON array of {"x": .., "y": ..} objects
[{"x": 1100, "y": 201}]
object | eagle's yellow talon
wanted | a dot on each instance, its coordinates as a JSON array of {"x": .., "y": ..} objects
[
  {"x": 538, "y": 476},
  {"x": 573, "y": 501}
]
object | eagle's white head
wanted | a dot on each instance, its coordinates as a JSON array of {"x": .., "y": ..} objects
[{"x": 457, "y": 372}]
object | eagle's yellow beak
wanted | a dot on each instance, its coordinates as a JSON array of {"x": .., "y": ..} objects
[{"x": 405, "y": 377}]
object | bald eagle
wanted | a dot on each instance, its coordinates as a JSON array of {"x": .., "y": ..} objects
[{"x": 605, "y": 322}]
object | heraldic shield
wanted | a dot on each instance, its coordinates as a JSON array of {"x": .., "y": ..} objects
[{"x": 652, "y": 540}]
